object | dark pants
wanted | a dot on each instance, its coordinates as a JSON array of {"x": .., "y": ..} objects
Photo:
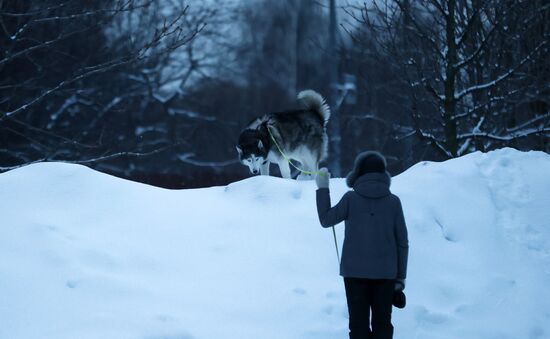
[{"x": 363, "y": 296}]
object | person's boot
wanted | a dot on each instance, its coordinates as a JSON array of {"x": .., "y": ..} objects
[
  {"x": 382, "y": 331},
  {"x": 360, "y": 335}
]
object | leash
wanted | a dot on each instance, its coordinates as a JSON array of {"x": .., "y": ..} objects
[
  {"x": 336, "y": 244},
  {"x": 305, "y": 172}
]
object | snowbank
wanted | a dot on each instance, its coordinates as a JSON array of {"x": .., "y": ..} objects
[{"x": 87, "y": 255}]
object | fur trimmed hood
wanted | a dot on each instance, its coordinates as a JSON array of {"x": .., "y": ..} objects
[
  {"x": 366, "y": 162},
  {"x": 373, "y": 185}
]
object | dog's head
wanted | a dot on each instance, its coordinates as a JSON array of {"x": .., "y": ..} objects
[{"x": 252, "y": 150}]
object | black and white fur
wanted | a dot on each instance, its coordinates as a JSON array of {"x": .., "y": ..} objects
[{"x": 301, "y": 135}]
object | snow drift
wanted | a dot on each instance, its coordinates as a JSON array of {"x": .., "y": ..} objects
[{"x": 87, "y": 255}]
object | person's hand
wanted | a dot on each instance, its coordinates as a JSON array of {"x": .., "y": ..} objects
[
  {"x": 399, "y": 284},
  {"x": 322, "y": 178}
]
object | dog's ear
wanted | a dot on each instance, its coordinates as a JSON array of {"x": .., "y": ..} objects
[
  {"x": 239, "y": 150},
  {"x": 260, "y": 144}
]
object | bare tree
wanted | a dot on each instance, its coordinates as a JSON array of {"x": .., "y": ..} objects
[
  {"x": 469, "y": 65},
  {"x": 67, "y": 69}
]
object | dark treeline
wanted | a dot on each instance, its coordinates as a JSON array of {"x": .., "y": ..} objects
[{"x": 158, "y": 91}]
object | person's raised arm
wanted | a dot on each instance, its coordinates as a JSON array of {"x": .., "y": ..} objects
[{"x": 329, "y": 216}]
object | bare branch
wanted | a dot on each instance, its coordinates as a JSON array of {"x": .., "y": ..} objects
[
  {"x": 440, "y": 8},
  {"x": 502, "y": 77},
  {"x": 509, "y": 137},
  {"x": 483, "y": 44},
  {"x": 107, "y": 66},
  {"x": 53, "y": 135},
  {"x": 434, "y": 141},
  {"x": 9, "y": 168},
  {"x": 531, "y": 122},
  {"x": 470, "y": 24},
  {"x": 186, "y": 158}
]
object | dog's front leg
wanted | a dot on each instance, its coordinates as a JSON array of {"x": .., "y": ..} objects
[
  {"x": 284, "y": 167},
  {"x": 264, "y": 169}
]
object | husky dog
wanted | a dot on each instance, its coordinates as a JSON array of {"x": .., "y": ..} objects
[{"x": 277, "y": 137}]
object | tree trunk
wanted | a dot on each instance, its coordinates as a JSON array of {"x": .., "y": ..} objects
[
  {"x": 335, "y": 138},
  {"x": 450, "y": 128}
]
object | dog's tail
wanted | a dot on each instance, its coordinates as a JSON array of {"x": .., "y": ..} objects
[{"x": 315, "y": 102}]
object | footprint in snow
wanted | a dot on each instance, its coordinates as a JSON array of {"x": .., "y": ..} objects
[
  {"x": 72, "y": 283},
  {"x": 296, "y": 193},
  {"x": 425, "y": 316},
  {"x": 164, "y": 318},
  {"x": 44, "y": 228},
  {"x": 171, "y": 336},
  {"x": 299, "y": 291},
  {"x": 536, "y": 333},
  {"x": 333, "y": 295},
  {"x": 97, "y": 259},
  {"x": 328, "y": 310}
]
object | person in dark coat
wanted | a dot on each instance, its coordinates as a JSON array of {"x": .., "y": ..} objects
[{"x": 375, "y": 250}]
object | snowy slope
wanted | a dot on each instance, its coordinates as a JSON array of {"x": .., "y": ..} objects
[{"x": 87, "y": 255}]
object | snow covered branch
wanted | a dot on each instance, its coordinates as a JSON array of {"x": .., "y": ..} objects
[
  {"x": 169, "y": 37},
  {"x": 436, "y": 142},
  {"x": 187, "y": 158},
  {"x": 89, "y": 160},
  {"x": 502, "y": 77},
  {"x": 507, "y": 137}
]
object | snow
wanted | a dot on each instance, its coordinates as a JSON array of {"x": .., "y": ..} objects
[
  {"x": 139, "y": 131},
  {"x": 70, "y": 101},
  {"x": 87, "y": 255},
  {"x": 190, "y": 114}
]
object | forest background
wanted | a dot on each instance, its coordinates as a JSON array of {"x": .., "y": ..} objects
[{"x": 158, "y": 91}]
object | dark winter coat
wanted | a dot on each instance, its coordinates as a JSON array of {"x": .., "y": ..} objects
[{"x": 376, "y": 244}]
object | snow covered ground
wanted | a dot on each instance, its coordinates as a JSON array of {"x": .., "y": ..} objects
[{"x": 87, "y": 255}]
